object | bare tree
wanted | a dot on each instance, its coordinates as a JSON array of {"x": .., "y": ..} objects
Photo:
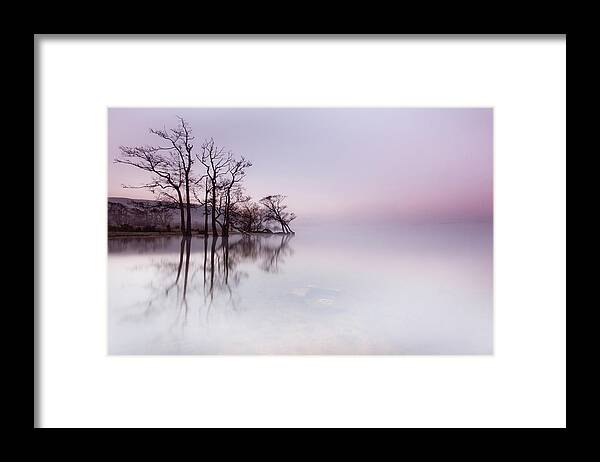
[
  {"x": 201, "y": 193},
  {"x": 180, "y": 140},
  {"x": 276, "y": 211},
  {"x": 206, "y": 191},
  {"x": 250, "y": 217},
  {"x": 166, "y": 168},
  {"x": 216, "y": 162},
  {"x": 219, "y": 206},
  {"x": 171, "y": 166},
  {"x": 232, "y": 189}
]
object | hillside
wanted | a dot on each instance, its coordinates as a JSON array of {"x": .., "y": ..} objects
[{"x": 123, "y": 211}]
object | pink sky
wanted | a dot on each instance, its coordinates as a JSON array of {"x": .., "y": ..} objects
[{"x": 339, "y": 163}]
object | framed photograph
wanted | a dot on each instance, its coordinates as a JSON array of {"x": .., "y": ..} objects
[{"x": 308, "y": 232}]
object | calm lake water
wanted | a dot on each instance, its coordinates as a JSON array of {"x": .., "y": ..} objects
[{"x": 411, "y": 289}]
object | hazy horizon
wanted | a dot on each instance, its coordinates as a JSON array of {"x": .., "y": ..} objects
[{"x": 387, "y": 164}]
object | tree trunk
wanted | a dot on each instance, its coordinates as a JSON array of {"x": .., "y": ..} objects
[
  {"x": 188, "y": 228},
  {"x": 213, "y": 211},
  {"x": 181, "y": 211},
  {"x": 206, "y": 208},
  {"x": 226, "y": 219}
]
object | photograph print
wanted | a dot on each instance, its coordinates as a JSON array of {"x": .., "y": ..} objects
[{"x": 300, "y": 231}]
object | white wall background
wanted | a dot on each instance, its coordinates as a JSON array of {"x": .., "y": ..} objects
[{"x": 523, "y": 384}]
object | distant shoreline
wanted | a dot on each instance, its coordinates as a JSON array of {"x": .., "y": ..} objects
[{"x": 120, "y": 234}]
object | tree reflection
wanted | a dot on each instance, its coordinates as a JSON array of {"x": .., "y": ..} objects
[
  {"x": 222, "y": 260},
  {"x": 186, "y": 242}
]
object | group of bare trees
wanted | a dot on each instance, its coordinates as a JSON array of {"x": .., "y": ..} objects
[{"x": 209, "y": 176}]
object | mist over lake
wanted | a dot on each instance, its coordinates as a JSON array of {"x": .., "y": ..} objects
[{"x": 348, "y": 290}]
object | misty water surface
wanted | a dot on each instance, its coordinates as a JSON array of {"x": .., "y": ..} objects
[{"x": 411, "y": 289}]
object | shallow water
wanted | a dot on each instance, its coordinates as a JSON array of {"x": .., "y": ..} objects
[{"x": 410, "y": 289}]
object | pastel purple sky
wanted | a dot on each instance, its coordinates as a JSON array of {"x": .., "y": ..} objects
[{"x": 338, "y": 163}]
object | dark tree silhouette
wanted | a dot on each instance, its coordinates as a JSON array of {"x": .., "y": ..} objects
[
  {"x": 216, "y": 162},
  {"x": 168, "y": 177},
  {"x": 180, "y": 141},
  {"x": 250, "y": 217},
  {"x": 232, "y": 189},
  {"x": 201, "y": 193},
  {"x": 170, "y": 165},
  {"x": 276, "y": 211}
]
